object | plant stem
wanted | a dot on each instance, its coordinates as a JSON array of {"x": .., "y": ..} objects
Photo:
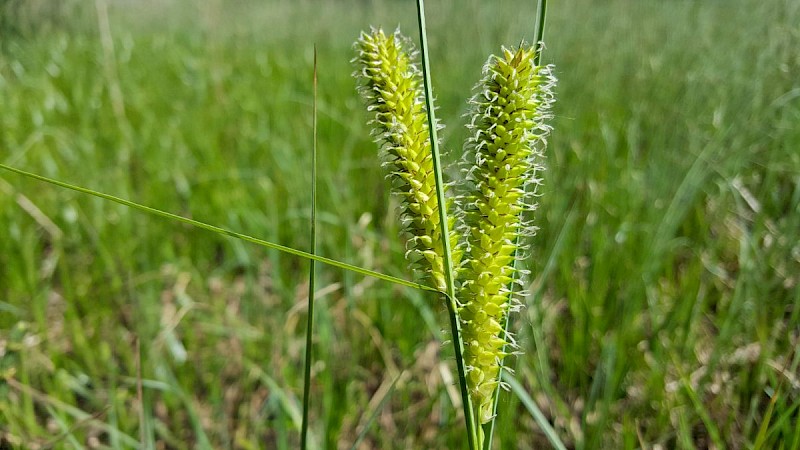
[
  {"x": 452, "y": 307},
  {"x": 312, "y": 266},
  {"x": 541, "y": 13}
]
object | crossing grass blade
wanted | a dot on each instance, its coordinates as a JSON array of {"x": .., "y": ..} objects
[{"x": 218, "y": 230}]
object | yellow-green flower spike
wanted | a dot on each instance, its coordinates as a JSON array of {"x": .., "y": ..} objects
[
  {"x": 392, "y": 87},
  {"x": 503, "y": 156}
]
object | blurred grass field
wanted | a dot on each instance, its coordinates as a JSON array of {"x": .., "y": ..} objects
[{"x": 665, "y": 301}]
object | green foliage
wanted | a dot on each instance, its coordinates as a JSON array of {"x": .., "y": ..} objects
[
  {"x": 31, "y": 18},
  {"x": 665, "y": 292}
]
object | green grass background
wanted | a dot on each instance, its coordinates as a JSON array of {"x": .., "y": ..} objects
[{"x": 664, "y": 306}]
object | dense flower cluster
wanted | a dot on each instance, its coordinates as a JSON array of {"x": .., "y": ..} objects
[
  {"x": 503, "y": 157},
  {"x": 392, "y": 86},
  {"x": 502, "y": 161}
]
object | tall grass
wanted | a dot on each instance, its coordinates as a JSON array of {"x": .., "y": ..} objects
[{"x": 665, "y": 304}]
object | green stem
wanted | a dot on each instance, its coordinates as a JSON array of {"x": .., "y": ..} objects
[
  {"x": 541, "y": 13},
  {"x": 312, "y": 266},
  {"x": 452, "y": 307}
]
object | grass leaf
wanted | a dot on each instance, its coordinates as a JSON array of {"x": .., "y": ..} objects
[
  {"x": 374, "y": 415},
  {"x": 311, "y": 269},
  {"x": 222, "y": 231},
  {"x": 534, "y": 410}
]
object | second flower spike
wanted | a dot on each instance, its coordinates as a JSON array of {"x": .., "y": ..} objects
[{"x": 503, "y": 156}]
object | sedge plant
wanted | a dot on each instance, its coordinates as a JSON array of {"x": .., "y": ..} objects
[
  {"x": 466, "y": 247},
  {"x": 406, "y": 129},
  {"x": 502, "y": 160}
]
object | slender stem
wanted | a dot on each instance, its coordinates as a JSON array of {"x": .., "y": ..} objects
[
  {"x": 312, "y": 266},
  {"x": 541, "y": 13},
  {"x": 233, "y": 234},
  {"x": 140, "y": 396},
  {"x": 489, "y": 428},
  {"x": 452, "y": 307}
]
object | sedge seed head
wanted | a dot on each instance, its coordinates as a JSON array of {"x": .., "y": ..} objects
[
  {"x": 391, "y": 84},
  {"x": 502, "y": 158}
]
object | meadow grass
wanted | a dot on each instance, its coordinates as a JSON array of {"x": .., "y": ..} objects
[{"x": 664, "y": 307}]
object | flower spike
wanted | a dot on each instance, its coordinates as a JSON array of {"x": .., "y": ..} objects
[
  {"x": 392, "y": 87},
  {"x": 503, "y": 157}
]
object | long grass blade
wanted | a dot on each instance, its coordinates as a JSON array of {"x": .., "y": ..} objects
[
  {"x": 766, "y": 420},
  {"x": 287, "y": 401},
  {"x": 311, "y": 268},
  {"x": 536, "y": 413},
  {"x": 763, "y": 430},
  {"x": 702, "y": 411},
  {"x": 377, "y": 410},
  {"x": 215, "y": 229},
  {"x": 452, "y": 307},
  {"x": 47, "y": 402}
]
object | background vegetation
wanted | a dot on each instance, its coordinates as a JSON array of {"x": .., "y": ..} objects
[{"x": 665, "y": 305}]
